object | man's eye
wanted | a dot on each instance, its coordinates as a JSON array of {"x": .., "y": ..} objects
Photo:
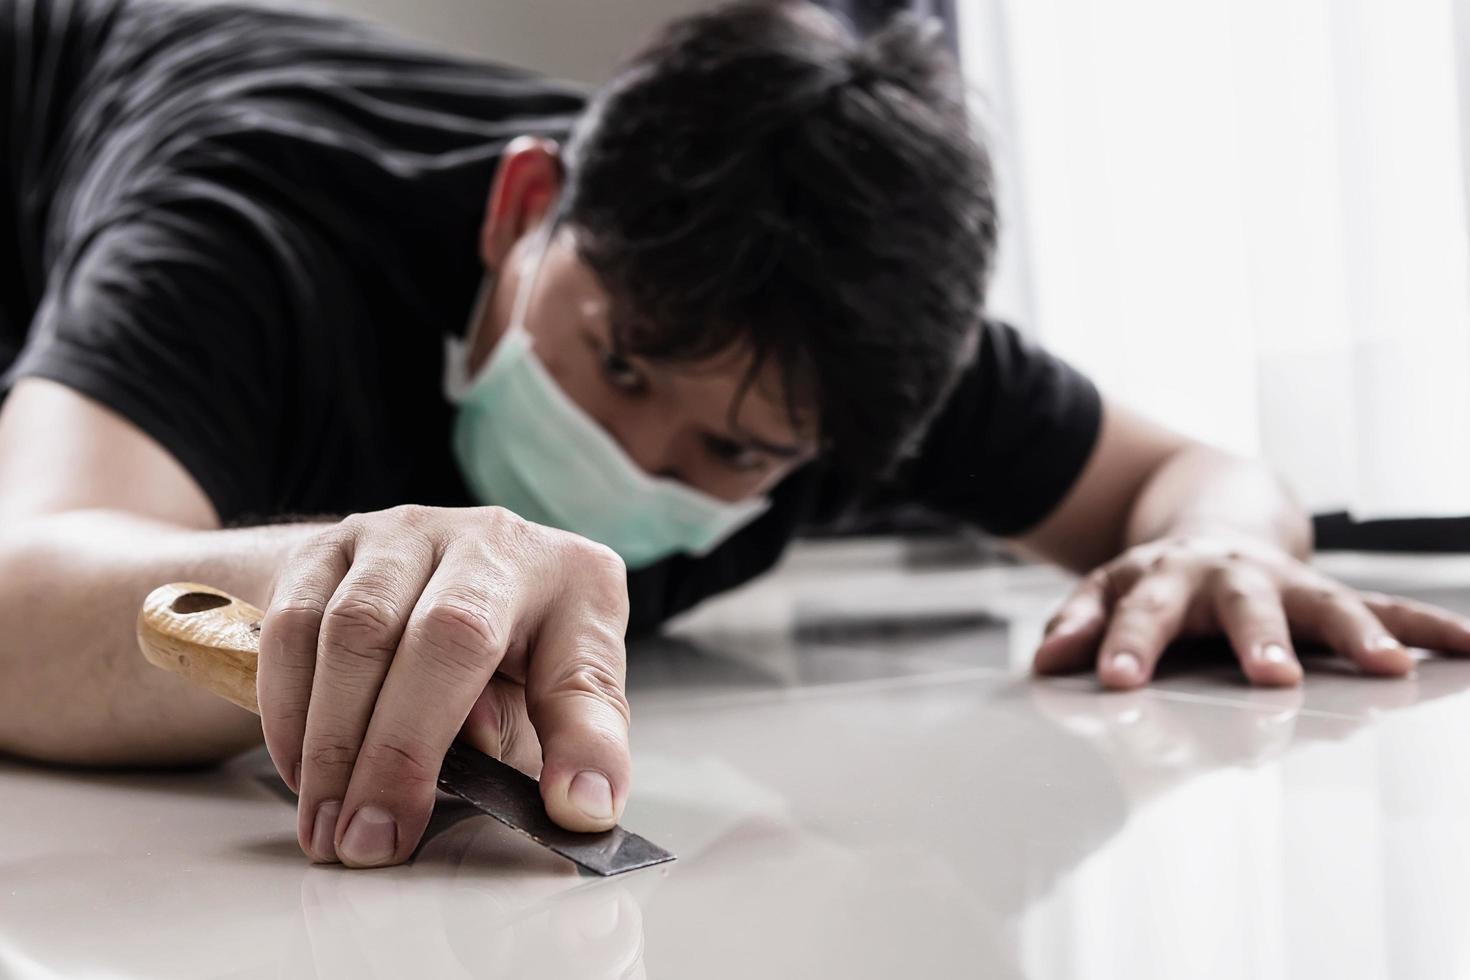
[
  {"x": 621, "y": 372},
  {"x": 734, "y": 455}
]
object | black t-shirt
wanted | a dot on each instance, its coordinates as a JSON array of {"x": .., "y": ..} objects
[{"x": 248, "y": 231}]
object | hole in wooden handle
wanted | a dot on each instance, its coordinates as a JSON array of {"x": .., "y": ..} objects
[{"x": 193, "y": 602}]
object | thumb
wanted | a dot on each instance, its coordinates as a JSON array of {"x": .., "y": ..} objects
[{"x": 576, "y": 700}]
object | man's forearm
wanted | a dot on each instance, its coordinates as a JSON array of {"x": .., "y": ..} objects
[
  {"x": 1203, "y": 490},
  {"x": 73, "y": 686}
]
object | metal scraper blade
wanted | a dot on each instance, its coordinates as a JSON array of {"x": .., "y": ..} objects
[{"x": 513, "y": 798}]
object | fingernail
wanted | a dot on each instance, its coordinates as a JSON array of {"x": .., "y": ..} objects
[
  {"x": 296, "y": 779},
  {"x": 1385, "y": 643},
  {"x": 371, "y": 836},
  {"x": 325, "y": 829},
  {"x": 1275, "y": 653},
  {"x": 591, "y": 793},
  {"x": 1127, "y": 663}
]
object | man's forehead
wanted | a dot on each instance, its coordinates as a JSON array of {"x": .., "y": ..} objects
[
  {"x": 756, "y": 405},
  {"x": 760, "y": 404}
]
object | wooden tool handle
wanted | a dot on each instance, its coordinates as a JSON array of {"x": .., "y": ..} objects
[{"x": 208, "y": 636}]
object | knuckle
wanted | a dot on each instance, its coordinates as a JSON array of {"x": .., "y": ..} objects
[
  {"x": 508, "y": 537},
  {"x": 349, "y": 658},
  {"x": 598, "y": 559},
  {"x": 1407, "y": 611},
  {"x": 335, "y": 537},
  {"x": 1399, "y": 608},
  {"x": 489, "y": 558},
  {"x": 497, "y": 515},
  {"x": 330, "y": 755},
  {"x": 1310, "y": 591},
  {"x": 408, "y": 531},
  {"x": 606, "y": 740},
  {"x": 349, "y": 527},
  {"x": 1351, "y": 619},
  {"x": 461, "y": 633},
  {"x": 604, "y": 641},
  {"x": 399, "y": 759},
  {"x": 1173, "y": 555},
  {"x": 399, "y": 525},
  {"x": 414, "y": 515},
  {"x": 1234, "y": 587},
  {"x": 358, "y": 633},
  {"x": 361, "y": 612},
  {"x": 1144, "y": 601},
  {"x": 295, "y": 620},
  {"x": 286, "y": 704},
  {"x": 1235, "y": 595},
  {"x": 610, "y": 592},
  {"x": 591, "y": 677},
  {"x": 502, "y": 522}
]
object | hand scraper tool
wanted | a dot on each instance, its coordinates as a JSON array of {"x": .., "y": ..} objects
[{"x": 213, "y": 640}]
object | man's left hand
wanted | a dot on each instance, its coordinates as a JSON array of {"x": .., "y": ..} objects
[{"x": 1124, "y": 614}]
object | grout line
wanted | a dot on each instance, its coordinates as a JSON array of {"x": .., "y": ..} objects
[{"x": 810, "y": 692}]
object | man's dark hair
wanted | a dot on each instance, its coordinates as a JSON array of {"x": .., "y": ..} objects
[{"x": 758, "y": 175}]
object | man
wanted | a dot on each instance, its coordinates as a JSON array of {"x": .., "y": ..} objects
[{"x": 253, "y": 274}]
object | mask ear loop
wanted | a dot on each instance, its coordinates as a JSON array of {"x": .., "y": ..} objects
[
  {"x": 539, "y": 247},
  {"x": 457, "y": 379}
]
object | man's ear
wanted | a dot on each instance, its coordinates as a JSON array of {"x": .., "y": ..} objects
[{"x": 526, "y": 186}]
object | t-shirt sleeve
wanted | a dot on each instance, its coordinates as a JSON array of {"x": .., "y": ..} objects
[
  {"x": 1010, "y": 441},
  {"x": 175, "y": 318}
]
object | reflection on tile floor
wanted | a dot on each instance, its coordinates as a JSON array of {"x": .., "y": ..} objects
[{"x": 895, "y": 799}]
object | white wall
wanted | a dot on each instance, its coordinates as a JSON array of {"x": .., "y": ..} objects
[
  {"x": 581, "y": 40},
  {"x": 1247, "y": 219}
]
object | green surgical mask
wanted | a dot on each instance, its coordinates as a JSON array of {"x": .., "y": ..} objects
[{"x": 522, "y": 443}]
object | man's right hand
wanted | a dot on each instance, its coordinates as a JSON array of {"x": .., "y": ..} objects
[{"x": 392, "y": 633}]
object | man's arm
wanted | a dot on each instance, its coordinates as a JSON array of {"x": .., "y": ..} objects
[
  {"x": 1144, "y": 482},
  {"x": 386, "y": 636},
  {"x": 1184, "y": 540},
  {"x": 93, "y": 516}
]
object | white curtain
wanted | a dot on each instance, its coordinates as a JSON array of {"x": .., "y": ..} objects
[{"x": 1247, "y": 218}]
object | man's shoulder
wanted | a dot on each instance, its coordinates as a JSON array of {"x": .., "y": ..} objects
[{"x": 311, "y": 128}]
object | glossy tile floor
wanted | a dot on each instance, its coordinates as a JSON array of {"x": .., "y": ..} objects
[{"x": 860, "y": 782}]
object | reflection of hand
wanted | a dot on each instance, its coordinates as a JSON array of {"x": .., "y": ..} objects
[
  {"x": 1145, "y": 734},
  {"x": 400, "y": 925},
  {"x": 1125, "y": 613},
  {"x": 392, "y": 632},
  {"x": 594, "y": 933}
]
